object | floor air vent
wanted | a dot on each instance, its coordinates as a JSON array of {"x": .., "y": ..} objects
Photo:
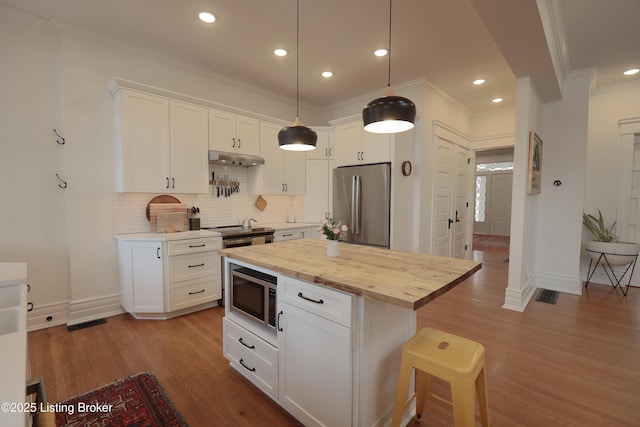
[
  {"x": 84, "y": 325},
  {"x": 545, "y": 295}
]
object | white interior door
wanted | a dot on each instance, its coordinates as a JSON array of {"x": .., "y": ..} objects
[
  {"x": 442, "y": 207},
  {"x": 499, "y": 209},
  {"x": 461, "y": 205},
  {"x": 453, "y": 170}
]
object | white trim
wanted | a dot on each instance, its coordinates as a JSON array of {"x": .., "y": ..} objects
[
  {"x": 94, "y": 308},
  {"x": 172, "y": 314},
  {"x": 517, "y": 299},
  {"x": 630, "y": 125},
  {"x": 554, "y": 282},
  {"x": 37, "y": 318}
]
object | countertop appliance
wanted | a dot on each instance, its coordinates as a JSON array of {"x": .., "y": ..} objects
[
  {"x": 235, "y": 235},
  {"x": 362, "y": 201},
  {"x": 253, "y": 296}
]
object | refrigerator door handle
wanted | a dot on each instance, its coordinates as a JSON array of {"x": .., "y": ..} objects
[
  {"x": 358, "y": 183},
  {"x": 353, "y": 205}
]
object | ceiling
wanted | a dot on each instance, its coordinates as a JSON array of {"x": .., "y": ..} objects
[{"x": 447, "y": 42}]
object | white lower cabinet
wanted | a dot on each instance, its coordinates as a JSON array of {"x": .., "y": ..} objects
[
  {"x": 253, "y": 357},
  {"x": 335, "y": 359},
  {"x": 314, "y": 339},
  {"x": 315, "y": 368},
  {"x": 160, "y": 279}
]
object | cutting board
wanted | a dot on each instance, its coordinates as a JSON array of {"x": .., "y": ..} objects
[
  {"x": 177, "y": 219},
  {"x": 171, "y": 222}
]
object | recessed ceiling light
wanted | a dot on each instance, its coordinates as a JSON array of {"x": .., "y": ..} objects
[
  {"x": 206, "y": 17},
  {"x": 478, "y": 81},
  {"x": 496, "y": 100},
  {"x": 632, "y": 72},
  {"x": 380, "y": 52},
  {"x": 280, "y": 52},
  {"x": 327, "y": 74}
]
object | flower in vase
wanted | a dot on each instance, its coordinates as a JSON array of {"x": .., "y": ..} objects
[{"x": 332, "y": 229}]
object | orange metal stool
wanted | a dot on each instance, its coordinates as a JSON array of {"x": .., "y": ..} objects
[{"x": 457, "y": 360}]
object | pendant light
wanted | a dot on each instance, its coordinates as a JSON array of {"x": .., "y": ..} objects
[
  {"x": 297, "y": 137},
  {"x": 389, "y": 114}
]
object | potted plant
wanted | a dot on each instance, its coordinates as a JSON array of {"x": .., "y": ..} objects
[
  {"x": 332, "y": 231},
  {"x": 606, "y": 241}
]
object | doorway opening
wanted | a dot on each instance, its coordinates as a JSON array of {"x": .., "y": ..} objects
[{"x": 492, "y": 207}]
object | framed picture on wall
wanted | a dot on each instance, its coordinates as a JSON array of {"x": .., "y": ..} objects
[{"x": 535, "y": 163}]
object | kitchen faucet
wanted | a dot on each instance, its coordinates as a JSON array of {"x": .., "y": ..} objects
[{"x": 246, "y": 223}]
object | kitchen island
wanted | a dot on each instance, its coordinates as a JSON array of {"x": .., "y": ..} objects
[{"x": 332, "y": 354}]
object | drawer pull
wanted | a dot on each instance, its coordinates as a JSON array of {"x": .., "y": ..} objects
[
  {"x": 317, "y": 301},
  {"x": 278, "y": 322},
  {"x": 196, "y": 292},
  {"x": 198, "y": 246},
  {"x": 197, "y": 265},
  {"x": 287, "y": 235},
  {"x": 246, "y": 367},
  {"x": 246, "y": 345}
]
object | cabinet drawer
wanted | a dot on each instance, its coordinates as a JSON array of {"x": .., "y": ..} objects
[
  {"x": 254, "y": 358},
  {"x": 193, "y": 293},
  {"x": 188, "y": 246},
  {"x": 325, "y": 302},
  {"x": 198, "y": 265},
  {"x": 281, "y": 236}
]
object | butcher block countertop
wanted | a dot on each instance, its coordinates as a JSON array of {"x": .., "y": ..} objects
[{"x": 406, "y": 279}]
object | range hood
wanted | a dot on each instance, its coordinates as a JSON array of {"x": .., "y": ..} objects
[{"x": 234, "y": 159}]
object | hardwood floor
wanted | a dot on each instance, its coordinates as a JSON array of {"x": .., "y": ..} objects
[{"x": 572, "y": 364}]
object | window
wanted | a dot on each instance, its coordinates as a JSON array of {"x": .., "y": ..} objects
[{"x": 481, "y": 197}]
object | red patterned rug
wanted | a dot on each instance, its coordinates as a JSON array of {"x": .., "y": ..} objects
[
  {"x": 136, "y": 401},
  {"x": 489, "y": 243}
]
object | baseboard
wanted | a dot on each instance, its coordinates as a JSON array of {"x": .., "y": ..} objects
[
  {"x": 172, "y": 314},
  {"x": 94, "y": 308},
  {"x": 553, "y": 282},
  {"x": 517, "y": 299},
  {"x": 47, "y": 316}
]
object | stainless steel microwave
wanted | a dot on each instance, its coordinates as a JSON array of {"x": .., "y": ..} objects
[{"x": 253, "y": 296}]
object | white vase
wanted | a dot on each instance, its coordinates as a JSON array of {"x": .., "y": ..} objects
[{"x": 333, "y": 250}]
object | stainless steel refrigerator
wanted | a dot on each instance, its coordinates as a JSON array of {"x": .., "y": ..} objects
[{"x": 362, "y": 200}]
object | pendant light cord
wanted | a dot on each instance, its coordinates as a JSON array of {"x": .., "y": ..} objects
[
  {"x": 297, "y": 58},
  {"x": 389, "y": 72}
]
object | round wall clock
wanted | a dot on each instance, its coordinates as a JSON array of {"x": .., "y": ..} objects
[{"x": 406, "y": 168}]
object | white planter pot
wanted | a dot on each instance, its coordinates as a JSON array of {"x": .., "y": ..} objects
[{"x": 618, "y": 253}]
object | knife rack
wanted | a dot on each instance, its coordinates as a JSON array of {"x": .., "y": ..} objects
[{"x": 224, "y": 188}]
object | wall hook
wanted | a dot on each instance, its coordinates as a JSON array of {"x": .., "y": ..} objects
[
  {"x": 64, "y": 183},
  {"x": 58, "y": 140}
]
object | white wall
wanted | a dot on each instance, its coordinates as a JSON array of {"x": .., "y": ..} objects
[
  {"x": 559, "y": 230},
  {"x": 33, "y": 211},
  {"x": 56, "y": 78},
  {"x": 524, "y": 207},
  {"x": 436, "y": 106},
  {"x": 604, "y": 163}
]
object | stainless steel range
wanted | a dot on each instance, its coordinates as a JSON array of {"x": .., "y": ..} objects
[{"x": 235, "y": 235}]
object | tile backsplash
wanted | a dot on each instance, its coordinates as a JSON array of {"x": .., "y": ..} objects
[{"x": 129, "y": 208}]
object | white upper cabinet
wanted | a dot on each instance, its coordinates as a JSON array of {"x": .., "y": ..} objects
[
  {"x": 323, "y": 149},
  {"x": 354, "y": 145},
  {"x": 161, "y": 145},
  {"x": 188, "y": 132},
  {"x": 283, "y": 171},
  {"x": 233, "y": 132}
]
